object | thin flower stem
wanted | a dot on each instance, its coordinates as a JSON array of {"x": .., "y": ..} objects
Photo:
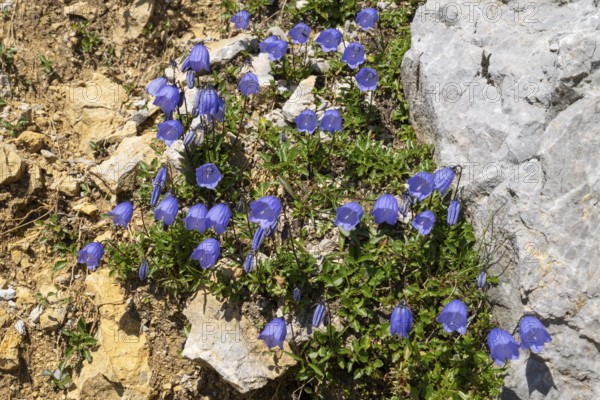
[{"x": 237, "y": 133}]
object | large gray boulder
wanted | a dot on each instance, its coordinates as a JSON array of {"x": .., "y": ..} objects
[{"x": 511, "y": 91}]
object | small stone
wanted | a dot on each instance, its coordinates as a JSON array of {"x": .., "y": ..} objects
[
  {"x": 36, "y": 179},
  {"x": 86, "y": 208},
  {"x": 48, "y": 155},
  {"x": 9, "y": 350},
  {"x": 277, "y": 31},
  {"x": 21, "y": 328},
  {"x": 81, "y": 9},
  {"x": 223, "y": 51},
  {"x": 51, "y": 320},
  {"x": 4, "y": 317},
  {"x": 34, "y": 315},
  {"x": 31, "y": 141},
  {"x": 140, "y": 116},
  {"x": 12, "y": 166},
  {"x": 66, "y": 185},
  {"x": 8, "y": 294},
  {"x": 301, "y": 99}
]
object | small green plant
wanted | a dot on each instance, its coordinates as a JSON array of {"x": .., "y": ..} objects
[
  {"x": 59, "y": 378},
  {"x": 7, "y": 57},
  {"x": 14, "y": 128},
  {"x": 47, "y": 65},
  {"x": 89, "y": 39},
  {"x": 79, "y": 342},
  {"x": 61, "y": 238}
]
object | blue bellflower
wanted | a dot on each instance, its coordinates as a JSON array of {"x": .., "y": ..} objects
[
  {"x": 367, "y": 79},
  {"x": 420, "y": 186},
  {"x": 218, "y": 218},
  {"x": 249, "y": 262},
  {"x": 354, "y": 55},
  {"x": 196, "y": 218},
  {"x": 208, "y": 176},
  {"x": 329, "y": 39},
  {"x": 248, "y": 84},
  {"x": 265, "y": 212},
  {"x": 143, "y": 271},
  {"x": 275, "y": 47},
  {"x": 257, "y": 240},
  {"x": 401, "y": 321},
  {"x": 155, "y": 86},
  {"x": 442, "y": 179},
  {"x": 122, "y": 214},
  {"x": 318, "y": 315},
  {"x": 198, "y": 60},
  {"x": 482, "y": 279},
  {"x": 189, "y": 137},
  {"x": 454, "y": 317},
  {"x": 306, "y": 121},
  {"x": 367, "y": 18},
  {"x": 405, "y": 204},
  {"x": 300, "y": 33},
  {"x": 169, "y": 131},
  {"x": 207, "y": 253},
  {"x": 166, "y": 211},
  {"x": 453, "y": 211},
  {"x": 167, "y": 98},
  {"x": 190, "y": 79},
  {"x": 533, "y": 334},
  {"x": 158, "y": 185},
  {"x": 348, "y": 216},
  {"x": 241, "y": 19},
  {"x": 207, "y": 102},
  {"x": 331, "y": 121},
  {"x": 424, "y": 222},
  {"x": 296, "y": 295},
  {"x": 274, "y": 333},
  {"x": 91, "y": 255},
  {"x": 502, "y": 346},
  {"x": 385, "y": 209}
]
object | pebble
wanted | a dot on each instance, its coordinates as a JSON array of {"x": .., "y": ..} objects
[{"x": 8, "y": 294}]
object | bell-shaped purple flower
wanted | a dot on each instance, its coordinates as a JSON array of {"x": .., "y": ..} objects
[
  {"x": 367, "y": 18},
  {"x": 502, "y": 346},
  {"x": 156, "y": 85},
  {"x": 300, "y": 33},
  {"x": 354, "y": 55},
  {"x": 296, "y": 295},
  {"x": 420, "y": 186},
  {"x": 274, "y": 333},
  {"x": 207, "y": 102},
  {"x": 318, "y": 315},
  {"x": 453, "y": 211},
  {"x": 454, "y": 317},
  {"x": 190, "y": 79},
  {"x": 367, "y": 79},
  {"x": 442, "y": 179},
  {"x": 143, "y": 271},
  {"x": 158, "y": 185},
  {"x": 331, "y": 121},
  {"x": 259, "y": 235},
  {"x": 207, "y": 253},
  {"x": 275, "y": 47},
  {"x": 533, "y": 334},
  {"x": 167, "y": 98},
  {"x": 424, "y": 222},
  {"x": 91, "y": 255},
  {"x": 241, "y": 19},
  {"x": 329, "y": 39},
  {"x": 248, "y": 84},
  {"x": 265, "y": 212},
  {"x": 405, "y": 204},
  {"x": 196, "y": 218},
  {"x": 166, "y": 211},
  {"x": 122, "y": 214},
  {"x": 481, "y": 279},
  {"x": 385, "y": 209},
  {"x": 401, "y": 321},
  {"x": 198, "y": 60},
  {"x": 306, "y": 121},
  {"x": 218, "y": 218},
  {"x": 208, "y": 176},
  {"x": 169, "y": 131},
  {"x": 249, "y": 262},
  {"x": 189, "y": 137},
  {"x": 348, "y": 216}
]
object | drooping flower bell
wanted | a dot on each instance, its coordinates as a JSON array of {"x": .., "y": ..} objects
[
  {"x": 143, "y": 271},
  {"x": 453, "y": 211},
  {"x": 207, "y": 253},
  {"x": 306, "y": 121},
  {"x": 481, "y": 279},
  {"x": 424, "y": 222},
  {"x": 158, "y": 185},
  {"x": 189, "y": 138},
  {"x": 169, "y": 131},
  {"x": 296, "y": 295},
  {"x": 249, "y": 262},
  {"x": 190, "y": 79},
  {"x": 275, "y": 47},
  {"x": 533, "y": 334},
  {"x": 156, "y": 85},
  {"x": 90, "y": 255},
  {"x": 300, "y": 33},
  {"x": 502, "y": 346},
  {"x": 122, "y": 213},
  {"x": 240, "y": 20},
  {"x": 318, "y": 315},
  {"x": 331, "y": 121},
  {"x": 354, "y": 55},
  {"x": 259, "y": 235},
  {"x": 208, "y": 176},
  {"x": 274, "y": 333},
  {"x": 420, "y": 186},
  {"x": 367, "y": 79},
  {"x": 207, "y": 102},
  {"x": 405, "y": 204},
  {"x": 196, "y": 218},
  {"x": 348, "y": 216},
  {"x": 248, "y": 84},
  {"x": 454, "y": 317},
  {"x": 167, "y": 98},
  {"x": 385, "y": 209},
  {"x": 442, "y": 179},
  {"x": 329, "y": 39},
  {"x": 265, "y": 212},
  {"x": 367, "y": 18},
  {"x": 198, "y": 60},
  {"x": 218, "y": 218},
  {"x": 166, "y": 211},
  {"x": 401, "y": 321}
]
